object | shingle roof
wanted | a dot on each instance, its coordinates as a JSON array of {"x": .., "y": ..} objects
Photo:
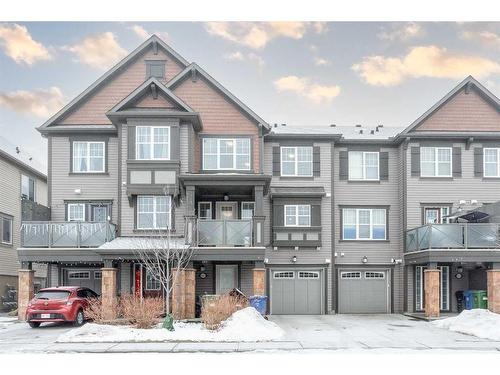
[
  {"x": 347, "y": 132},
  {"x": 8, "y": 150}
]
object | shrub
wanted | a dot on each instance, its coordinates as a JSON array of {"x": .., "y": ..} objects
[
  {"x": 94, "y": 311},
  {"x": 143, "y": 313},
  {"x": 218, "y": 308}
]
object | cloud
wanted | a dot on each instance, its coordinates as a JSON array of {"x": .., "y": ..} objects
[
  {"x": 485, "y": 37},
  {"x": 39, "y": 102},
  {"x": 304, "y": 87},
  {"x": 257, "y": 35},
  {"x": 250, "y": 57},
  {"x": 98, "y": 51},
  {"x": 17, "y": 43},
  {"x": 142, "y": 33},
  {"x": 319, "y": 61},
  {"x": 402, "y": 33},
  {"x": 423, "y": 61}
]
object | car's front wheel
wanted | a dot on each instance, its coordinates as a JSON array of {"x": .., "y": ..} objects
[
  {"x": 34, "y": 324},
  {"x": 79, "y": 319}
]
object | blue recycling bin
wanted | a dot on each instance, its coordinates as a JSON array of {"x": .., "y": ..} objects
[
  {"x": 469, "y": 299},
  {"x": 259, "y": 303}
]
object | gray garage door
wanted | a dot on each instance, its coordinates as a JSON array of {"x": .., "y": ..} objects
[
  {"x": 89, "y": 278},
  {"x": 364, "y": 291},
  {"x": 296, "y": 291}
]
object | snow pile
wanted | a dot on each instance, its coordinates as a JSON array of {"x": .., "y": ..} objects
[
  {"x": 243, "y": 325},
  {"x": 477, "y": 322},
  {"x": 6, "y": 320}
]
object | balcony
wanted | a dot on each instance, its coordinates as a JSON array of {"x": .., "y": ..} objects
[
  {"x": 453, "y": 236},
  {"x": 50, "y": 234},
  {"x": 219, "y": 233}
]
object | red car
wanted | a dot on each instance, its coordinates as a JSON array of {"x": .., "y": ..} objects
[{"x": 61, "y": 304}]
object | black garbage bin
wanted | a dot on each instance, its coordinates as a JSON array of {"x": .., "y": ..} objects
[{"x": 460, "y": 300}]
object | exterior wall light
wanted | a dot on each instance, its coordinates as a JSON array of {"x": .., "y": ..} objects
[
  {"x": 365, "y": 259},
  {"x": 294, "y": 259},
  {"x": 226, "y": 197}
]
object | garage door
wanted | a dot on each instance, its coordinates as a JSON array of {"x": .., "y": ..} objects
[
  {"x": 364, "y": 291},
  {"x": 297, "y": 291},
  {"x": 89, "y": 278}
]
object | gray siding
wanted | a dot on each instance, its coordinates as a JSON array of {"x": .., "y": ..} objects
[{"x": 125, "y": 278}]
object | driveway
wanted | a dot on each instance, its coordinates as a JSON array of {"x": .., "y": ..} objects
[{"x": 322, "y": 332}]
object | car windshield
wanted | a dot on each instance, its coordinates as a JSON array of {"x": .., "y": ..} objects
[{"x": 52, "y": 294}]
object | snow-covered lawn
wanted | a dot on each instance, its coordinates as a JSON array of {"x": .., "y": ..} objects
[
  {"x": 477, "y": 322},
  {"x": 243, "y": 325},
  {"x": 6, "y": 320}
]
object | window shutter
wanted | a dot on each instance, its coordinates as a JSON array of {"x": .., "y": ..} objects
[
  {"x": 131, "y": 142},
  {"x": 343, "y": 165},
  {"x": 457, "y": 162},
  {"x": 415, "y": 161},
  {"x": 276, "y": 161},
  {"x": 384, "y": 165},
  {"x": 316, "y": 162},
  {"x": 315, "y": 215},
  {"x": 278, "y": 215},
  {"x": 478, "y": 161}
]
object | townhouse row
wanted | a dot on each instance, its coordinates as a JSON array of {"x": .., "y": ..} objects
[{"x": 320, "y": 219}]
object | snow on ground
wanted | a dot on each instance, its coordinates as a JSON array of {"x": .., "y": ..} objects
[
  {"x": 477, "y": 322},
  {"x": 6, "y": 320},
  {"x": 243, "y": 325}
]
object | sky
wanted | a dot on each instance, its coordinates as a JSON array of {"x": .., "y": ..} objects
[{"x": 298, "y": 73}]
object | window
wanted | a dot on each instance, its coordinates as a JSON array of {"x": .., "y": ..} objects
[
  {"x": 152, "y": 283},
  {"x": 88, "y": 157},
  {"x": 153, "y": 212},
  {"x": 155, "y": 69},
  {"x": 247, "y": 209},
  {"x": 76, "y": 212},
  {"x": 436, "y": 215},
  {"x": 308, "y": 275},
  {"x": 28, "y": 188},
  {"x": 98, "y": 275},
  {"x": 435, "y": 161},
  {"x": 7, "y": 230},
  {"x": 226, "y": 154},
  {"x": 298, "y": 215},
  {"x": 350, "y": 275},
  {"x": 364, "y": 224},
  {"x": 363, "y": 165},
  {"x": 82, "y": 275},
  {"x": 284, "y": 275},
  {"x": 153, "y": 143},
  {"x": 296, "y": 161},
  {"x": 419, "y": 288},
  {"x": 374, "y": 275},
  {"x": 205, "y": 210},
  {"x": 491, "y": 161}
]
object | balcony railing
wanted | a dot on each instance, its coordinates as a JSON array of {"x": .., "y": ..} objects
[
  {"x": 66, "y": 234},
  {"x": 224, "y": 233},
  {"x": 453, "y": 236}
]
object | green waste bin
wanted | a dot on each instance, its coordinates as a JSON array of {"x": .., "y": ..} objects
[{"x": 480, "y": 299}]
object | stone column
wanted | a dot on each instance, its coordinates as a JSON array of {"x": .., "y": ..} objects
[
  {"x": 190, "y": 292},
  {"x": 432, "y": 289},
  {"x": 493, "y": 277},
  {"x": 25, "y": 291},
  {"x": 109, "y": 290},
  {"x": 259, "y": 281},
  {"x": 179, "y": 296}
]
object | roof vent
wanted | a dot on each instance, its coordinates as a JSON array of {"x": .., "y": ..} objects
[
  {"x": 361, "y": 131},
  {"x": 275, "y": 125},
  {"x": 372, "y": 131},
  {"x": 358, "y": 125},
  {"x": 333, "y": 125},
  {"x": 283, "y": 124}
]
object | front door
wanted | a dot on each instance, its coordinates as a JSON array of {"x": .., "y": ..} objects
[
  {"x": 226, "y": 210},
  {"x": 226, "y": 278}
]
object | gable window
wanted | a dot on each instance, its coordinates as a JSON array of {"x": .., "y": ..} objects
[
  {"x": 363, "y": 165},
  {"x": 76, "y": 211},
  {"x": 6, "y": 230},
  {"x": 298, "y": 215},
  {"x": 155, "y": 69},
  {"x": 247, "y": 209},
  {"x": 152, "y": 142},
  {"x": 363, "y": 224},
  {"x": 491, "y": 161},
  {"x": 226, "y": 153},
  {"x": 151, "y": 282},
  {"x": 28, "y": 188},
  {"x": 153, "y": 212},
  {"x": 435, "y": 161},
  {"x": 88, "y": 157},
  {"x": 297, "y": 161}
]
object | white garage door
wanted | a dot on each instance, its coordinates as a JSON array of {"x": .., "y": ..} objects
[
  {"x": 364, "y": 291},
  {"x": 297, "y": 291}
]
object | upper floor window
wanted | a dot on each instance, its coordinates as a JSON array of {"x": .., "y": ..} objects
[
  {"x": 28, "y": 188},
  {"x": 491, "y": 161},
  {"x": 88, "y": 157},
  {"x": 364, "y": 224},
  {"x": 435, "y": 161},
  {"x": 436, "y": 215},
  {"x": 298, "y": 215},
  {"x": 363, "y": 165},
  {"x": 153, "y": 143},
  {"x": 76, "y": 211},
  {"x": 297, "y": 161},
  {"x": 153, "y": 212},
  {"x": 226, "y": 153},
  {"x": 6, "y": 230}
]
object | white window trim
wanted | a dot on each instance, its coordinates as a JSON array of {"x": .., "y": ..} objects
[
  {"x": 440, "y": 208},
  {"x": 277, "y": 273},
  {"x": 154, "y": 280},
  {"x": 253, "y": 210},
  {"x": 436, "y": 163},
  {"x": 169, "y": 212},
  {"x": 69, "y": 211},
  {"x": 70, "y": 273},
  {"x": 151, "y": 142},
  {"x": 199, "y": 210},
  {"x": 98, "y": 275},
  {"x": 219, "y": 140},
  {"x": 497, "y": 163},
  {"x": 296, "y": 215},
  {"x": 11, "y": 221},
  {"x": 88, "y": 157},
  {"x": 363, "y": 165},
  {"x": 314, "y": 274},
  {"x": 296, "y": 161},
  {"x": 371, "y": 225},
  {"x": 344, "y": 274},
  {"x": 375, "y": 272}
]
